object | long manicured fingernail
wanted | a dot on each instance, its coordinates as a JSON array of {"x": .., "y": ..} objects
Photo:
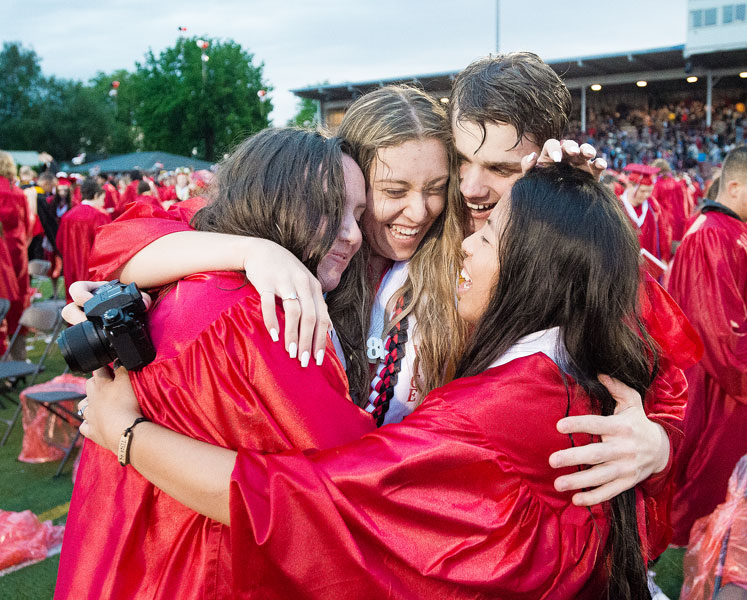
[
  {"x": 557, "y": 156},
  {"x": 305, "y": 358},
  {"x": 293, "y": 350},
  {"x": 601, "y": 163},
  {"x": 274, "y": 335},
  {"x": 532, "y": 156},
  {"x": 319, "y": 358}
]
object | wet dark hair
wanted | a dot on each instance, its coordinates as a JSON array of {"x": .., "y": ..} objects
[
  {"x": 518, "y": 89},
  {"x": 284, "y": 185},
  {"x": 89, "y": 189},
  {"x": 570, "y": 259}
]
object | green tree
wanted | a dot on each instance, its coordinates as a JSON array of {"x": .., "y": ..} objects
[
  {"x": 59, "y": 116},
  {"x": 74, "y": 119},
  {"x": 185, "y": 103},
  {"x": 21, "y": 93},
  {"x": 306, "y": 115},
  {"x": 124, "y": 135}
]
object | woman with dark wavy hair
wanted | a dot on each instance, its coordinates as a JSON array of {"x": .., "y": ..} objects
[
  {"x": 126, "y": 539},
  {"x": 457, "y": 500}
]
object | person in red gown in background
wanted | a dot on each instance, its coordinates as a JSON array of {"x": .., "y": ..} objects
[
  {"x": 644, "y": 211},
  {"x": 8, "y": 290},
  {"x": 457, "y": 500},
  {"x": 166, "y": 191},
  {"x": 111, "y": 195},
  {"x": 77, "y": 231},
  {"x": 674, "y": 198},
  {"x": 709, "y": 280},
  {"x": 14, "y": 218},
  {"x": 148, "y": 194},
  {"x": 124, "y": 538},
  {"x": 129, "y": 194}
]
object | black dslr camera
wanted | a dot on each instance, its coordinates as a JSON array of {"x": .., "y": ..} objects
[{"x": 115, "y": 330}]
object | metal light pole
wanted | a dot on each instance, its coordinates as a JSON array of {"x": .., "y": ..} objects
[{"x": 497, "y": 26}]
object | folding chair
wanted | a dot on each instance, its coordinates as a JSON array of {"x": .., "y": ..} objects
[
  {"x": 39, "y": 269},
  {"x": 43, "y": 317},
  {"x": 52, "y": 401}
]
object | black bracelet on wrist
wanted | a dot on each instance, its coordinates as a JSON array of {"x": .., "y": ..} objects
[{"x": 123, "y": 455}]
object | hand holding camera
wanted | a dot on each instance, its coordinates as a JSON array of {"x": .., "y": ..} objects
[{"x": 115, "y": 330}]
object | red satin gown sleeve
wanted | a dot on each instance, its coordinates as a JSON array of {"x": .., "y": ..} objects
[
  {"x": 457, "y": 501},
  {"x": 140, "y": 225},
  {"x": 75, "y": 237},
  {"x": 217, "y": 377},
  {"x": 679, "y": 347},
  {"x": 709, "y": 280}
]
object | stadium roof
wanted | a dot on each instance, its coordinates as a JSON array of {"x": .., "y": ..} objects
[
  {"x": 578, "y": 71},
  {"x": 145, "y": 161}
]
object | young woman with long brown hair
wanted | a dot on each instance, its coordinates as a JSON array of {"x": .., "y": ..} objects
[
  {"x": 399, "y": 289},
  {"x": 124, "y": 538},
  {"x": 457, "y": 500}
]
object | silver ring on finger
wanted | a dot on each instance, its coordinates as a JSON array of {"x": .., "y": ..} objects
[{"x": 292, "y": 296}]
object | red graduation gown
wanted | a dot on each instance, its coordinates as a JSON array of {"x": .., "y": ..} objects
[
  {"x": 126, "y": 198},
  {"x": 709, "y": 280},
  {"x": 655, "y": 234},
  {"x": 457, "y": 501},
  {"x": 111, "y": 197},
  {"x": 167, "y": 192},
  {"x": 218, "y": 378},
  {"x": 148, "y": 199},
  {"x": 680, "y": 345},
  {"x": 74, "y": 240},
  {"x": 673, "y": 198},
  {"x": 14, "y": 216},
  {"x": 8, "y": 290},
  {"x": 140, "y": 225}
]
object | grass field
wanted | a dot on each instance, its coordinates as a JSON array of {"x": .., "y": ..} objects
[{"x": 31, "y": 487}]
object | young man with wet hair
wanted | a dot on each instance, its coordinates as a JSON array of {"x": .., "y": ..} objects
[
  {"x": 508, "y": 114},
  {"x": 505, "y": 109}
]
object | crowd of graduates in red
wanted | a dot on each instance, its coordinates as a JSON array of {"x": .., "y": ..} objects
[
  {"x": 705, "y": 274},
  {"x": 53, "y": 216}
]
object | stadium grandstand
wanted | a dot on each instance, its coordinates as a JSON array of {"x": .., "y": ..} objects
[{"x": 685, "y": 103}]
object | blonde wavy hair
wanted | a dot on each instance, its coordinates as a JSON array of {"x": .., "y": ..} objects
[
  {"x": 7, "y": 166},
  {"x": 391, "y": 116}
]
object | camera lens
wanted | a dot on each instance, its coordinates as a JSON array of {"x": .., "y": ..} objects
[{"x": 85, "y": 347}]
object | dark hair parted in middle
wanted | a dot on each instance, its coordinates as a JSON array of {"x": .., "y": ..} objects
[
  {"x": 519, "y": 89},
  {"x": 569, "y": 258},
  {"x": 284, "y": 185}
]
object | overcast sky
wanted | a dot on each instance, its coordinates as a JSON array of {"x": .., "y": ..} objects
[{"x": 306, "y": 42}]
